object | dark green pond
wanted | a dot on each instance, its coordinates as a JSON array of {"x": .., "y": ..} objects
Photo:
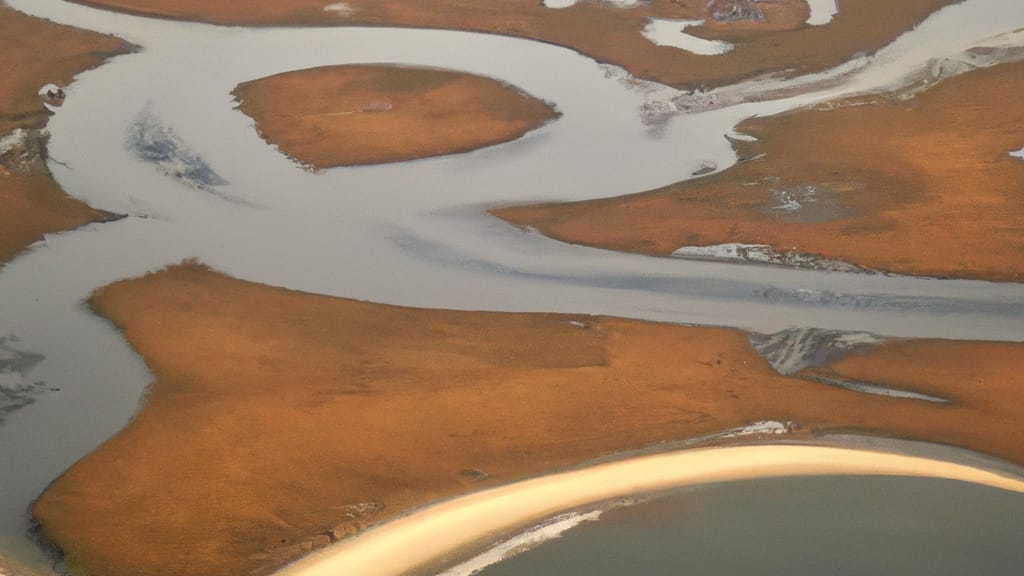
[{"x": 812, "y": 526}]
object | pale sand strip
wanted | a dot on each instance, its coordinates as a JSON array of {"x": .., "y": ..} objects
[{"x": 427, "y": 535}]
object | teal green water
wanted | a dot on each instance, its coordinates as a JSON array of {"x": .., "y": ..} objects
[{"x": 809, "y": 526}]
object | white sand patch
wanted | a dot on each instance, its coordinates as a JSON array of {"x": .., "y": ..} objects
[
  {"x": 48, "y": 88},
  {"x": 763, "y": 254},
  {"x": 13, "y": 141},
  {"x": 431, "y": 533},
  {"x": 764, "y": 427},
  {"x": 742, "y": 137},
  {"x": 667, "y": 32},
  {"x": 822, "y": 11},
  {"x": 21, "y": 150},
  {"x": 1018, "y": 154},
  {"x": 522, "y": 542},
  {"x": 730, "y": 251},
  {"x": 339, "y": 8},
  {"x": 568, "y": 3}
]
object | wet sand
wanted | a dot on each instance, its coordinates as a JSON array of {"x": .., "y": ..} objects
[
  {"x": 280, "y": 421},
  {"x": 922, "y": 187},
  {"x": 349, "y": 115},
  {"x": 37, "y": 52},
  {"x": 609, "y": 34},
  {"x": 474, "y": 518}
]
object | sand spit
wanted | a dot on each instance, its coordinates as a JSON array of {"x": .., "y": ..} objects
[
  {"x": 921, "y": 187},
  {"x": 763, "y": 254},
  {"x": 279, "y": 422},
  {"x": 468, "y": 520},
  {"x": 34, "y": 204},
  {"x": 610, "y": 31},
  {"x": 349, "y": 115}
]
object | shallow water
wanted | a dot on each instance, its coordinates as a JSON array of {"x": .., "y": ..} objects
[
  {"x": 667, "y": 32},
  {"x": 847, "y": 525},
  {"x": 411, "y": 233},
  {"x": 822, "y": 11}
]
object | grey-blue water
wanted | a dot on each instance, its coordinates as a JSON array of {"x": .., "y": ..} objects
[{"x": 808, "y": 526}]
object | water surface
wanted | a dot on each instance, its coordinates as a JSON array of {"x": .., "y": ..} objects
[
  {"x": 411, "y": 233},
  {"x": 840, "y": 526}
]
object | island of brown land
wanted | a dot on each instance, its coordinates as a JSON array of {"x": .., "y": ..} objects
[
  {"x": 280, "y": 421},
  {"x": 925, "y": 187},
  {"x": 362, "y": 114},
  {"x": 37, "y": 52},
  {"x": 781, "y": 42}
]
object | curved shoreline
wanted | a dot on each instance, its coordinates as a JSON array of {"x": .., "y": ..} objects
[
  {"x": 34, "y": 204},
  {"x": 766, "y": 48},
  {"x": 803, "y": 194},
  {"x": 155, "y": 230},
  {"x": 468, "y": 520}
]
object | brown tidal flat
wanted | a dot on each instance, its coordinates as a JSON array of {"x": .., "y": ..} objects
[
  {"x": 37, "y": 52},
  {"x": 348, "y": 115},
  {"x": 279, "y": 421},
  {"x": 925, "y": 187},
  {"x": 782, "y": 42}
]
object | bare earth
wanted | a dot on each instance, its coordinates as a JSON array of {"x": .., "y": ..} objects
[
  {"x": 781, "y": 43},
  {"x": 925, "y": 187},
  {"x": 279, "y": 421},
  {"x": 347, "y": 115},
  {"x": 37, "y": 52}
]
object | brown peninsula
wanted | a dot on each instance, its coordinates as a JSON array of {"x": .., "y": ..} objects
[
  {"x": 369, "y": 114},
  {"x": 279, "y": 421},
  {"x": 781, "y": 42},
  {"x": 37, "y": 52},
  {"x": 922, "y": 187}
]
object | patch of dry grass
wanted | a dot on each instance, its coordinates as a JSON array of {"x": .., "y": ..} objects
[
  {"x": 348, "y": 115},
  {"x": 279, "y": 421}
]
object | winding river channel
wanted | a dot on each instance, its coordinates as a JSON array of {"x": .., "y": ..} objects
[{"x": 413, "y": 233}]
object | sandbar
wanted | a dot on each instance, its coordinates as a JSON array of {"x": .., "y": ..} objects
[{"x": 470, "y": 519}]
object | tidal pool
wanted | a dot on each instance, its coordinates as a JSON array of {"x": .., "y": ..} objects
[{"x": 840, "y": 525}]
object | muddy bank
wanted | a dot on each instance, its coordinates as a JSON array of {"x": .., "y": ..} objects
[
  {"x": 349, "y": 115},
  {"x": 281, "y": 421},
  {"x": 924, "y": 187},
  {"x": 37, "y": 52},
  {"x": 777, "y": 40}
]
